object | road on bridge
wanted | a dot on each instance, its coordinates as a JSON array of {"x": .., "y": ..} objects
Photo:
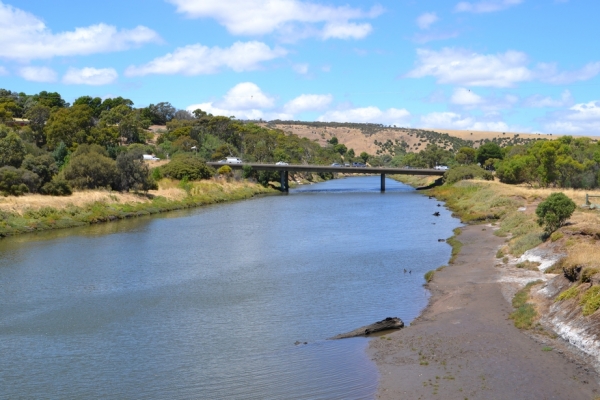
[{"x": 327, "y": 168}]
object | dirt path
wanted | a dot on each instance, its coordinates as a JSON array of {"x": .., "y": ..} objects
[{"x": 464, "y": 346}]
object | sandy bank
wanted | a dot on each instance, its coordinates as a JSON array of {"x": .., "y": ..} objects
[{"x": 464, "y": 345}]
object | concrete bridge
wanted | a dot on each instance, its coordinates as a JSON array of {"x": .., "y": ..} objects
[{"x": 285, "y": 169}]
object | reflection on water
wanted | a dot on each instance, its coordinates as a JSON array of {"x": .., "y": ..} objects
[{"x": 211, "y": 303}]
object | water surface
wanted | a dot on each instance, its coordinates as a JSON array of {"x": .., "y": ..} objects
[{"x": 209, "y": 303}]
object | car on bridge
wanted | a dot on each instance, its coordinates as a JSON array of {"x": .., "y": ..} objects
[
  {"x": 281, "y": 163},
  {"x": 230, "y": 160},
  {"x": 358, "y": 164},
  {"x": 336, "y": 165}
]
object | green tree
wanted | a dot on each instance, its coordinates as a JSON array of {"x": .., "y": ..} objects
[
  {"x": 554, "y": 211},
  {"x": 488, "y": 150},
  {"x": 90, "y": 168},
  {"x": 134, "y": 174},
  {"x": 44, "y": 166},
  {"x": 333, "y": 141},
  {"x": 12, "y": 150},
  {"x": 364, "y": 156},
  {"x": 95, "y": 103},
  {"x": 340, "y": 148},
  {"x": 72, "y": 126},
  {"x": 351, "y": 154},
  {"x": 466, "y": 155},
  {"x": 38, "y": 115},
  {"x": 186, "y": 165}
]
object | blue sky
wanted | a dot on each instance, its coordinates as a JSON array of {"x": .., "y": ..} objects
[{"x": 501, "y": 65}]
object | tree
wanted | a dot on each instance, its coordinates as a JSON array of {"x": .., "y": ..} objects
[
  {"x": 466, "y": 155},
  {"x": 340, "y": 148},
  {"x": 44, "y": 166},
  {"x": 333, "y": 141},
  {"x": 12, "y": 150},
  {"x": 186, "y": 166},
  {"x": 95, "y": 103},
  {"x": 554, "y": 211},
  {"x": 351, "y": 153},
  {"x": 38, "y": 116},
  {"x": 70, "y": 125},
  {"x": 364, "y": 156},
  {"x": 134, "y": 173},
  {"x": 90, "y": 168},
  {"x": 488, "y": 150}
]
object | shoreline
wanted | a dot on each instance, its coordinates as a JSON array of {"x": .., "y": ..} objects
[
  {"x": 463, "y": 345},
  {"x": 37, "y": 213}
]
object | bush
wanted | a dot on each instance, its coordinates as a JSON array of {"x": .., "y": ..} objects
[
  {"x": 58, "y": 186},
  {"x": 14, "y": 181},
  {"x": 133, "y": 172},
  {"x": 189, "y": 166},
  {"x": 91, "y": 168},
  {"x": 466, "y": 172},
  {"x": 44, "y": 166},
  {"x": 225, "y": 170},
  {"x": 554, "y": 211}
]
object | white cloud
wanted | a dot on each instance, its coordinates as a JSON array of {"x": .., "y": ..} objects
[
  {"x": 38, "y": 74},
  {"x": 539, "y": 101},
  {"x": 582, "y": 118},
  {"x": 245, "y": 101},
  {"x": 90, "y": 76},
  {"x": 548, "y": 72},
  {"x": 23, "y": 36},
  {"x": 301, "y": 69},
  {"x": 259, "y": 17},
  {"x": 307, "y": 102},
  {"x": 485, "y": 6},
  {"x": 198, "y": 59},
  {"x": 464, "y": 97},
  {"x": 450, "y": 120},
  {"x": 391, "y": 116},
  {"x": 458, "y": 66},
  {"x": 424, "y": 21}
]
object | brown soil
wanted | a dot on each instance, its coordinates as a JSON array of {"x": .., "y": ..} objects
[{"x": 464, "y": 346}]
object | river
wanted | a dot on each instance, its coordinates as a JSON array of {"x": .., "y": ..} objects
[{"x": 210, "y": 303}]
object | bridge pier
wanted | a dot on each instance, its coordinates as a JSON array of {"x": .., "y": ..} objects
[
  {"x": 383, "y": 182},
  {"x": 283, "y": 180}
]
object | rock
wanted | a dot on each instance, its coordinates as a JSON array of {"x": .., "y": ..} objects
[
  {"x": 437, "y": 213},
  {"x": 383, "y": 325},
  {"x": 441, "y": 240}
]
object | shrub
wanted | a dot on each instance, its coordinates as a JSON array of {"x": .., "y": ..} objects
[
  {"x": 567, "y": 294},
  {"x": 44, "y": 166},
  {"x": 590, "y": 301},
  {"x": 13, "y": 181},
  {"x": 189, "y": 166},
  {"x": 133, "y": 172},
  {"x": 554, "y": 211},
  {"x": 90, "y": 168},
  {"x": 466, "y": 172},
  {"x": 429, "y": 276},
  {"x": 586, "y": 274},
  {"x": 58, "y": 186},
  {"x": 225, "y": 170}
]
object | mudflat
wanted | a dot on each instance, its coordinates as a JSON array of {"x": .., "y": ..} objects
[{"x": 464, "y": 346}]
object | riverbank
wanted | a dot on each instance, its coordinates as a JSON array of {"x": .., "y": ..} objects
[
  {"x": 464, "y": 345},
  {"x": 31, "y": 213}
]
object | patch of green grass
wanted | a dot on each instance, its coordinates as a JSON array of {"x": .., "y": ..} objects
[
  {"x": 429, "y": 276},
  {"x": 499, "y": 253},
  {"x": 455, "y": 244},
  {"x": 570, "y": 293},
  {"x": 520, "y": 245},
  {"x": 590, "y": 301},
  {"x": 547, "y": 348},
  {"x": 525, "y": 314},
  {"x": 556, "y": 236},
  {"x": 441, "y": 267}
]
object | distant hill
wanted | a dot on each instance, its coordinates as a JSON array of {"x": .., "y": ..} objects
[{"x": 379, "y": 139}]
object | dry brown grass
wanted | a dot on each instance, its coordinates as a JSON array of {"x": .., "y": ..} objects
[
  {"x": 167, "y": 188},
  {"x": 584, "y": 253}
]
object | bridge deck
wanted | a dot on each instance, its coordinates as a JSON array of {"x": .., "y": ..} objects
[{"x": 324, "y": 168}]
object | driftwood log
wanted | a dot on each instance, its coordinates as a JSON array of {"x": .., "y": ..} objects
[{"x": 384, "y": 325}]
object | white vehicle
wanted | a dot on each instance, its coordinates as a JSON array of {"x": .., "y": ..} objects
[
  {"x": 150, "y": 157},
  {"x": 231, "y": 160},
  {"x": 441, "y": 167},
  {"x": 281, "y": 163}
]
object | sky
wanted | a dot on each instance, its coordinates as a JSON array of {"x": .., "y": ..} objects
[{"x": 498, "y": 65}]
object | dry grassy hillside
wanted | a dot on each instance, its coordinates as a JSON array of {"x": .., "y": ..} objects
[{"x": 362, "y": 137}]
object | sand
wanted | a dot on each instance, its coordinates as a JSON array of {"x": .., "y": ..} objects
[{"x": 463, "y": 346}]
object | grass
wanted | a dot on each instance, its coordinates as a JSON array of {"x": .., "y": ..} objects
[
  {"x": 590, "y": 301},
  {"x": 524, "y": 316},
  {"x": 530, "y": 265},
  {"x": 36, "y": 213},
  {"x": 455, "y": 244},
  {"x": 429, "y": 276},
  {"x": 570, "y": 293}
]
